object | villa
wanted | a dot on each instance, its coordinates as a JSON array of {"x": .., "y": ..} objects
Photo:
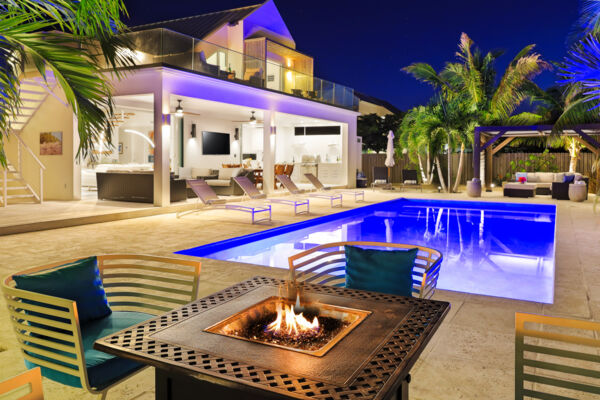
[{"x": 208, "y": 91}]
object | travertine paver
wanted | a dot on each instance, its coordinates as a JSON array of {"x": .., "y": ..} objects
[{"x": 471, "y": 357}]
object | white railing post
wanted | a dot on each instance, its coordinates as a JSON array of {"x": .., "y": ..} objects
[
  {"x": 41, "y": 185},
  {"x": 5, "y": 188},
  {"x": 19, "y": 164}
]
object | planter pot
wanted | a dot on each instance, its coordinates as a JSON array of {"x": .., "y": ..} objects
[{"x": 474, "y": 188}]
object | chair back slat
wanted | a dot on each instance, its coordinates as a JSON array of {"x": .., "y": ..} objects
[
  {"x": 553, "y": 353},
  {"x": 249, "y": 188},
  {"x": 318, "y": 265},
  {"x": 47, "y": 328},
  {"x": 148, "y": 283},
  {"x": 289, "y": 185},
  {"x": 30, "y": 381},
  {"x": 315, "y": 181}
]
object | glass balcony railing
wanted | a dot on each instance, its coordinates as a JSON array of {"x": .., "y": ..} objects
[{"x": 163, "y": 46}]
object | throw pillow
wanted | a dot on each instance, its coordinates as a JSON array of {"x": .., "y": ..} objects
[
  {"x": 78, "y": 281},
  {"x": 385, "y": 271},
  {"x": 569, "y": 179}
]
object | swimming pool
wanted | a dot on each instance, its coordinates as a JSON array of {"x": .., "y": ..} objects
[{"x": 495, "y": 249}]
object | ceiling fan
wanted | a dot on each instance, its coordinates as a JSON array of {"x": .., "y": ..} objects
[
  {"x": 252, "y": 120},
  {"x": 179, "y": 110}
]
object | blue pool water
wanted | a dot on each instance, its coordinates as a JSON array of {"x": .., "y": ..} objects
[{"x": 495, "y": 249}]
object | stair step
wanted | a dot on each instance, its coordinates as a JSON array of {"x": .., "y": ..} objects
[
  {"x": 17, "y": 188},
  {"x": 31, "y": 91},
  {"x": 20, "y": 196}
]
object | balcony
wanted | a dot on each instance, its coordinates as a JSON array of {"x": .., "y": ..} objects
[{"x": 163, "y": 46}]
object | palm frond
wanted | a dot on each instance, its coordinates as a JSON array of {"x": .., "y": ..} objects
[
  {"x": 581, "y": 69},
  {"x": 425, "y": 73}
]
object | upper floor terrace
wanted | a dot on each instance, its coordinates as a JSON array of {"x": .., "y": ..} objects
[{"x": 162, "y": 46}]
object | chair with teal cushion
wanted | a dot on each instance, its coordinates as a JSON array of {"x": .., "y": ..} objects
[
  {"x": 393, "y": 268},
  {"x": 51, "y": 333}
]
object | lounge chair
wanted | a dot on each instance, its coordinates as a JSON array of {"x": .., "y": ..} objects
[
  {"x": 410, "y": 178},
  {"x": 293, "y": 189},
  {"x": 210, "y": 199},
  {"x": 253, "y": 193},
  {"x": 320, "y": 187},
  {"x": 380, "y": 178}
]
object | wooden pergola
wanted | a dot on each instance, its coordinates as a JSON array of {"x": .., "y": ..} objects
[{"x": 486, "y": 137}]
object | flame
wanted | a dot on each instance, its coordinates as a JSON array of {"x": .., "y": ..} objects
[{"x": 292, "y": 324}]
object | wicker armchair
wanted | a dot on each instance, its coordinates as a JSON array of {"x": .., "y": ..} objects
[
  {"x": 48, "y": 328},
  {"x": 326, "y": 265}
]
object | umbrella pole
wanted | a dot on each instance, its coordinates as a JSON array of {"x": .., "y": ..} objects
[{"x": 390, "y": 176}]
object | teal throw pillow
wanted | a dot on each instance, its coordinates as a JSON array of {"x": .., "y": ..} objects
[
  {"x": 384, "y": 271},
  {"x": 79, "y": 281}
]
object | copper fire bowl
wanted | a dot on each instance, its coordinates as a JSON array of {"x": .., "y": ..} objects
[{"x": 236, "y": 322}]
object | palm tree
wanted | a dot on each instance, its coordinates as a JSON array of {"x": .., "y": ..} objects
[
  {"x": 556, "y": 105},
  {"x": 473, "y": 79},
  {"x": 73, "y": 40}
]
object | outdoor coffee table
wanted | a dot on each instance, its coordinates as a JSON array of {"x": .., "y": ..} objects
[
  {"x": 373, "y": 361},
  {"x": 515, "y": 189}
]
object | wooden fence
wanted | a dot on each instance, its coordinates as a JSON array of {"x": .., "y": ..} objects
[{"x": 501, "y": 164}]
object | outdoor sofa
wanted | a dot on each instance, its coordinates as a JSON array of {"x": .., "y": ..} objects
[
  {"x": 220, "y": 180},
  {"x": 545, "y": 183}
]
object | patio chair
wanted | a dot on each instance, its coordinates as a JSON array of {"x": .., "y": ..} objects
[
  {"x": 253, "y": 193},
  {"x": 556, "y": 358},
  {"x": 380, "y": 178},
  {"x": 335, "y": 199},
  {"x": 326, "y": 265},
  {"x": 57, "y": 333},
  {"x": 209, "y": 198},
  {"x": 358, "y": 194},
  {"x": 32, "y": 379},
  {"x": 410, "y": 179}
]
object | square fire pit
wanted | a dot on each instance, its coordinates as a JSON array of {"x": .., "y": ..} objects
[
  {"x": 254, "y": 324},
  {"x": 215, "y": 345}
]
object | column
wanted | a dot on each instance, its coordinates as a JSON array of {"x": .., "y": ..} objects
[
  {"x": 350, "y": 153},
  {"x": 268, "y": 151},
  {"x": 489, "y": 167},
  {"x": 162, "y": 149}
]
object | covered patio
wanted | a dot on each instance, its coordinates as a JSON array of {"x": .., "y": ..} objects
[{"x": 487, "y": 143}]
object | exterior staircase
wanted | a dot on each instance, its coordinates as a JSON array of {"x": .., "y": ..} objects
[
  {"x": 13, "y": 186},
  {"x": 14, "y": 189}
]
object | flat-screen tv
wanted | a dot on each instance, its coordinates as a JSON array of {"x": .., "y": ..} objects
[{"x": 215, "y": 143}]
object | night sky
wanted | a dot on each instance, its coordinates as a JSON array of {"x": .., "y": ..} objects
[{"x": 365, "y": 44}]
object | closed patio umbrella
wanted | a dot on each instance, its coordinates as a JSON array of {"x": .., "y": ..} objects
[{"x": 389, "y": 160}]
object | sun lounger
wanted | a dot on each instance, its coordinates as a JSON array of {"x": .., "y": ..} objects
[
  {"x": 210, "y": 199},
  {"x": 335, "y": 199},
  {"x": 410, "y": 179},
  {"x": 358, "y": 194},
  {"x": 253, "y": 193}
]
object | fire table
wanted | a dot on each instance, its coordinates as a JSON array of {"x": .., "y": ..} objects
[{"x": 362, "y": 344}]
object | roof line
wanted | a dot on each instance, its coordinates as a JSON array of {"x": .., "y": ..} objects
[{"x": 199, "y": 15}]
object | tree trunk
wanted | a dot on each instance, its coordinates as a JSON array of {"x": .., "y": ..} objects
[
  {"x": 460, "y": 167},
  {"x": 440, "y": 175},
  {"x": 574, "y": 149},
  {"x": 423, "y": 176}
]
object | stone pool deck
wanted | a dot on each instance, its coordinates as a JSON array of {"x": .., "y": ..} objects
[{"x": 471, "y": 356}]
